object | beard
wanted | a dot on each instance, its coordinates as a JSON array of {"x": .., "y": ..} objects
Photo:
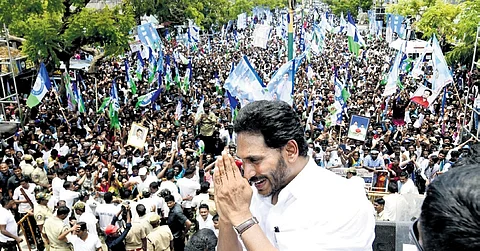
[{"x": 277, "y": 177}]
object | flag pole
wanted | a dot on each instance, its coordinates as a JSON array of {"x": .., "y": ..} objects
[
  {"x": 290, "y": 30},
  {"x": 61, "y": 108},
  {"x": 96, "y": 93}
]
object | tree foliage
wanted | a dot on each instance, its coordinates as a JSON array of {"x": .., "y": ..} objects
[
  {"x": 205, "y": 13},
  {"x": 438, "y": 19},
  {"x": 339, "y": 6},
  {"x": 54, "y": 30}
]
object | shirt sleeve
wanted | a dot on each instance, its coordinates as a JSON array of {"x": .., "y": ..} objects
[
  {"x": 181, "y": 217},
  {"x": 98, "y": 244},
  {"x": 16, "y": 194}
]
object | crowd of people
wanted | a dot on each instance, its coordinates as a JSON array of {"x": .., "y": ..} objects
[{"x": 74, "y": 182}]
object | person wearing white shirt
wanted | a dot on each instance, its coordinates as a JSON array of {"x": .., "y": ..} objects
[
  {"x": 8, "y": 227},
  {"x": 188, "y": 189},
  {"x": 57, "y": 187},
  {"x": 107, "y": 211},
  {"x": 205, "y": 219},
  {"x": 270, "y": 206},
  {"x": 68, "y": 195},
  {"x": 201, "y": 198},
  {"x": 352, "y": 176},
  {"x": 129, "y": 162},
  {"x": 406, "y": 185},
  {"x": 84, "y": 216},
  {"x": 82, "y": 240},
  {"x": 142, "y": 181},
  {"x": 170, "y": 186},
  {"x": 24, "y": 196}
]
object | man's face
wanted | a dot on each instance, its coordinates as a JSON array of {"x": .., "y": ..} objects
[
  {"x": 171, "y": 204},
  {"x": 403, "y": 179},
  {"x": 204, "y": 213},
  {"x": 441, "y": 156},
  {"x": 24, "y": 184},
  {"x": 17, "y": 172},
  {"x": 378, "y": 207},
  {"x": 374, "y": 156},
  {"x": 264, "y": 166},
  {"x": 426, "y": 94},
  {"x": 81, "y": 172},
  {"x": 3, "y": 168}
]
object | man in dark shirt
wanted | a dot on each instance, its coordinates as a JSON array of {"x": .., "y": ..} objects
[
  {"x": 5, "y": 174},
  {"x": 178, "y": 223},
  {"x": 115, "y": 239},
  {"x": 14, "y": 181}
]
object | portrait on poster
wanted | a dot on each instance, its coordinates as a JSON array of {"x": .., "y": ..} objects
[
  {"x": 137, "y": 136},
  {"x": 358, "y": 127}
]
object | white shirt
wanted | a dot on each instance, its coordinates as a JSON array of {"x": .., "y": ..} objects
[
  {"x": 320, "y": 224},
  {"x": 396, "y": 207},
  {"x": 17, "y": 195},
  {"x": 57, "y": 186},
  {"x": 91, "y": 221},
  {"x": 359, "y": 181},
  {"x": 92, "y": 243},
  {"x": 68, "y": 196},
  {"x": 408, "y": 187},
  {"x": 142, "y": 185},
  {"x": 105, "y": 213},
  {"x": 7, "y": 219},
  {"x": 208, "y": 223},
  {"x": 187, "y": 187},
  {"x": 172, "y": 188}
]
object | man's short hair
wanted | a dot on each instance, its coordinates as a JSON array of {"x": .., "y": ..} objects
[
  {"x": 205, "y": 206},
  {"x": 62, "y": 210},
  {"x": 169, "y": 198},
  {"x": 204, "y": 240},
  {"x": 450, "y": 218},
  {"x": 276, "y": 121}
]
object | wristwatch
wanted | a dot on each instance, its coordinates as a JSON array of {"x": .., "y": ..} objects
[{"x": 245, "y": 225}]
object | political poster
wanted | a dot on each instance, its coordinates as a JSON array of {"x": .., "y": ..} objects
[
  {"x": 137, "y": 136},
  {"x": 424, "y": 96},
  {"x": 358, "y": 127}
]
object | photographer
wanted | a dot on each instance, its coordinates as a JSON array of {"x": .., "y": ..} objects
[{"x": 115, "y": 239}]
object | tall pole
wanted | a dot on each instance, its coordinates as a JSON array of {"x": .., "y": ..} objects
[{"x": 290, "y": 30}]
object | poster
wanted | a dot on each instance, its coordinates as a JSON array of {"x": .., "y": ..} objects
[
  {"x": 424, "y": 96},
  {"x": 358, "y": 127},
  {"x": 137, "y": 136}
]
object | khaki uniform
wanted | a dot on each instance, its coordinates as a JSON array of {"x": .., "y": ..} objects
[
  {"x": 159, "y": 239},
  {"x": 134, "y": 237},
  {"x": 145, "y": 224},
  {"x": 53, "y": 228},
  {"x": 39, "y": 177},
  {"x": 41, "y": 213}
]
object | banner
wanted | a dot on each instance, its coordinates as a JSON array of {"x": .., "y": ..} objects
[
  {"x": 358, "y": 127},
  {"x": 148, "y": 35},
  {"x": 261, "y": 35},
  {"x": 244, "y": 83}
]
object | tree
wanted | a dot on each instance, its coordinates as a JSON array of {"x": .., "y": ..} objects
[
  {"x": 406, "y": 7},
  {"x": 339, "y": 6},
  {"x": 55, "y": 30},
  {"x": 465, "y": 32},
  {"x": 438, "y": 19}
]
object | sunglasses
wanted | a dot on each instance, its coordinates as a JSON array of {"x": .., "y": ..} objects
[{"x": 414, "y": 235}]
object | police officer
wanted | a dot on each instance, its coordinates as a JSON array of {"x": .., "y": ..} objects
[{"x": 41, "y": 212}]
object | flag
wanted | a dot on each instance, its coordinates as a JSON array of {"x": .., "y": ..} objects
[
  {"x": 70, "y": 96},
  {"x": 193, "y": 35},
  {"x": 178, "y": 110},
  {"x": 160, "y": 69},
  {"x": 188, "y": 75},
  {"x": 444, "y": 99},
  {"x": 40, "y": 88},
  {"x": 130, "y": 81},
  {"x": 200, "y": 110},
  {"x": 441, "y": 74},
  {"x": 392, "y": 79},
  {"x": 352, "y": 34},
  {"x": 168, "y": 73},
  {"x": 245, "y": 84},
  {"x": 114, "y": 107},
  {"x": 233, "y": 105},
  {"x": 105, "y": 103},
  {"x": 140, "y": 64},
  {"x": 78, "y": 95},
  {"x": 343, "y": 25},
  {"x": 148, "y": 98},
  {"x": 281, "y": 84},
  {"x": 152, "y": 66}
]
